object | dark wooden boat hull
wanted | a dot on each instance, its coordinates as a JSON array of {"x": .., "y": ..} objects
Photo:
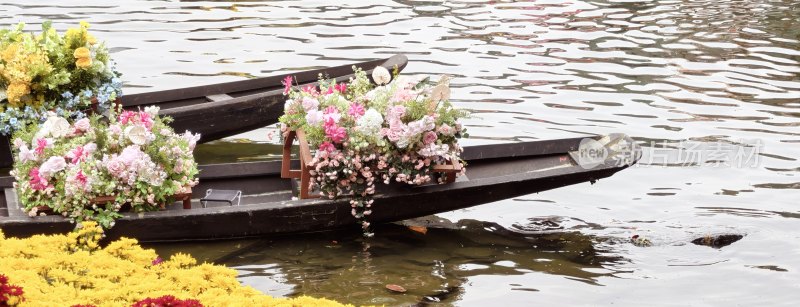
[
  {"x": 495, "y": 172},
  {"x": 221, "y": 110}
]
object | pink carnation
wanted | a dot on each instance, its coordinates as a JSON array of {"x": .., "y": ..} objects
[
  {"x": 37, "y": 181},
  {"x": 327, "y": 147},
  {"x": 76, "y": 155},
  {"x": 79, "y": 179},
  {"x": 335, "y": 133},
  {"x": 41, "y": 144},
  {"x": 127, "y": 116},
  {"x": 341, "y": 88},
  {"x": 310, "y": 89},
  {"x": 146, "y": 120},
  {"x": 356, "y": 110}
]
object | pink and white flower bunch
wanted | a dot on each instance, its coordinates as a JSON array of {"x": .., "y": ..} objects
[
  {"x": 135, "y": 157},
  {"x": 395, "y": 130}
]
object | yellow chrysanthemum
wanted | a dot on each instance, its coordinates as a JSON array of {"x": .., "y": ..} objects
[
  {"x": 53, "y": 273},
  {"x": 83, "y": 62},
  {"x": 82, "y": 52},
  {"x": 16, "y": 90},
  {"x": 91, "y": 39},
  {"x": 10, "y": 52}
]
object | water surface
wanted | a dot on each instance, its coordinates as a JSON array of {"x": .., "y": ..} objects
[{"x": 710, "y": 88}]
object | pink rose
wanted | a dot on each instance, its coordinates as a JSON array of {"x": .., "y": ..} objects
[
  {"x": 115, "y": 167},
  {"x": 429, "y": 137},
  {"x": 83, "y": 125},
  {"x": 445, "y": 129},
  {"x": 402, "y": 96}
]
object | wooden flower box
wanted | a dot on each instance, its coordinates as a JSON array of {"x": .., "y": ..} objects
[
  {"x": 449, "y": 171},
  {"x": 185, "y": 198}
]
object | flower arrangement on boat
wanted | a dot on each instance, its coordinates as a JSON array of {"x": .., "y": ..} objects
[
  {"x": 362, "y": 133},
  {"x": 134, "y": 159},
  {"x": 67, "y": 74}
]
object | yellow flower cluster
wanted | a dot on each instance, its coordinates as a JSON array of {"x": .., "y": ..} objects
[
  {"x": 81, "y": 37},
  {"x": 64, "y": 270},
  {"x": 37, "y": 69},
  {"x": 20, "y": 65},
  {"x": 83, "y": 57}
]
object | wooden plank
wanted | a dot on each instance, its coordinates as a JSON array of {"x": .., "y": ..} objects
[
  {"x": 218, "y": 97},
  {"x": 12, "y": 202}
]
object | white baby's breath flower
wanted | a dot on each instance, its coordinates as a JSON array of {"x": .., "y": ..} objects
[
  {"x": 314, "y": 117},
  {"x": 18, "y": 142},
  {"x": 381, "y": 75},
  {"x": 152, "y": 110},
  {"x": 370, "y": 123},
  {"x": 137, "y": 134}
]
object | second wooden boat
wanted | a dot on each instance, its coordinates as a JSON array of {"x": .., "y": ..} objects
[{"x": 225, "y": 109}]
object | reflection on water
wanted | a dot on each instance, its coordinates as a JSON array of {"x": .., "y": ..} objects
[
  {"x": 697, "y": 82},
  {"x": 432, "y": 267}
]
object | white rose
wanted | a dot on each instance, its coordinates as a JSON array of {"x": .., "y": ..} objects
[
  {"x": 26, "y": 154},
  {"x": 51, "y": 166},
  {"x": 381, "y": 76},
  {"x": 137, "y": 134},
  {"x": 55, "y": 126},
  {"x": 60, "y": 127},
  {"x": 44, "y": 130}
]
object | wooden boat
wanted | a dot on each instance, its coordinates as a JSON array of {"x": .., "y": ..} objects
[
  {"x": 225, "y": 109},
  {"x": 267, "y": 207}
]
